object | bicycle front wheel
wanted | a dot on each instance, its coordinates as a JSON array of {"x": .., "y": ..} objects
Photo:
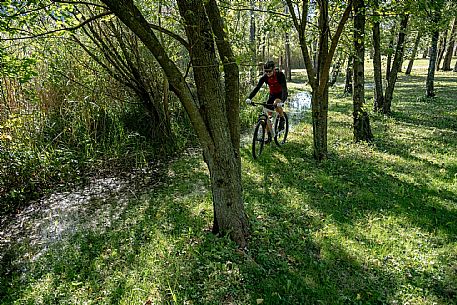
[
  {"x": 281, "y": 133},
  {"x": 258, "y": 139}
]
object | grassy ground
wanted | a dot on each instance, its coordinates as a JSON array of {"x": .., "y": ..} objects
[{"x": 373, "y": 224}]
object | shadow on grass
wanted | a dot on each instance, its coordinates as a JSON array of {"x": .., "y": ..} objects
[{"x": 345, "y": 191}]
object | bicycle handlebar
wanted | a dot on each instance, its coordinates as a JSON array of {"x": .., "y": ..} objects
[{"x": 268, "y": 105}]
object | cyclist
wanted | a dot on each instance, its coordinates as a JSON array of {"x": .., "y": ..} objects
[{"x": 276, "y": 81}]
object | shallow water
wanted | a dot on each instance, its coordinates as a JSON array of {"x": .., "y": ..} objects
[{"x": 297, "y": 107}]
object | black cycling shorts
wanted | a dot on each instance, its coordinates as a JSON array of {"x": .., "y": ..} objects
[{"x": 273, "y": 97}]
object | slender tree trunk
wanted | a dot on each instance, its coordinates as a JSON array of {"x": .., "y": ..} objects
[
  {"x": 348, "y": 83},
  {"x": 319, "y": 106},
  {"x": 413, "y": 54},
  {"x": 378, "y": 90},
  {"x": 398, "y": 59},
  {"x": 441, "y": 49},
  {"x": 362, "y": 130},
  {"x": 252, "y": 40},
  {"x": 320, "y": 100},
  {"x": 288, "y": 69},
  {"x": 335, "y": 72},
  {"x": 425, "y": 54},
  {"x": 318, "y": 78},
  {"x": 165, "y": 84},
  {"x": 448, "y": 58},
  {"x": 450, "y": 48},
  {"x": 430, "y": 92},
  {"x": 389, "y": 56},
  {"x": 315, "y": 53}
]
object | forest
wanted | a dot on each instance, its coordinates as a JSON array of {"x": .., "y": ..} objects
[{"x": 128, "y": 171}]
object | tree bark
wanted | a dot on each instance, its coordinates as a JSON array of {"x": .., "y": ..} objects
[
  {"x": 450, "y": 48},
  {"x": 389, "y": 56},
  {"x": 362, "y": 130},
  {"x": 348, "y": 83},
  {"x": 377, "y": 69},
  {"x": 398, "y": 59},
  {"x": 414, "y": 53},
  {"x": 216, "y": 127},
  {"x": 425, "y": 54},
  {"x": 287, "y": 67},
  {"x": 430, "y": 91},
  {"x": 441, "y": 49},
  {"x": 252, "y": 41},
  {"x": 320, "y": 100}
]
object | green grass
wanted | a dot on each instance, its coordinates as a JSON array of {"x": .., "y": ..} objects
[{"x": 373, "y": 224}]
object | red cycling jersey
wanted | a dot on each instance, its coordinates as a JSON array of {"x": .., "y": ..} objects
[{"x": 276, "y": 83}]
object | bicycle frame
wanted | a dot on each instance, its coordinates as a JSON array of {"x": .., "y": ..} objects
[
  {"x": 268, "y": 122},
  {"x": 267, "y": 114}
]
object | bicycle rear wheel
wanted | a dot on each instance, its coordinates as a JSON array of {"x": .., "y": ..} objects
[
  {"x": 281, "y": 135},
  {"x": 258, "y": 139}
]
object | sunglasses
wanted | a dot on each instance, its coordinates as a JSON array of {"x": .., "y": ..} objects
[{"x": 268, "y": 71}]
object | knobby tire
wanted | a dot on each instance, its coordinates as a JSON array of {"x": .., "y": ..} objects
[
  {"x": 281, "y": 136},
  {"x": 258, "y": 139}
]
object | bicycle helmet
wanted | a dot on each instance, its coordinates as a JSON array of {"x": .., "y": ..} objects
[{"x": 269, "y": 65}]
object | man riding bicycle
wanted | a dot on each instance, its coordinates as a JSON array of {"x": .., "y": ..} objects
[{"x": 276, "y": 81}]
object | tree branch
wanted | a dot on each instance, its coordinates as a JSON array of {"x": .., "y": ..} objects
[
  {"x": 300, "y": 25},
  {"x": 60, "y": 30},
  {"x": 80, "y": 2},
  {"x": 20, "y": 13},
  {"x": 171, "y": 34},
  {"x": 231, "y": 7},
  {"x": 334, "y": 43}
]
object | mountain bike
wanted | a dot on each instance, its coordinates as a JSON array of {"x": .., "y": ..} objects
[{"x": 268, "y": 120}]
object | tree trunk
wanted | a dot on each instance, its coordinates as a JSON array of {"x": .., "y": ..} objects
[
  {"x": 165, "y": 85},
  {"x": 430, "y": 92},
  {"x": 389, "y": 56},
  {"x": 425, "y": 54},
  {"x": 335, "y": 72},
  {"x": 450, "y": 48},
  {"x": 362, "y": 130},
  {"x": 398, "y": 59},
  {"x": 441, "y": 49},
  {"x": 413, "y": 54},
  {"x": 448, "y": 58},
  {"x": 348, "y": 82},
  {"x": 252, "y": 42},
  {"x": 455, "y": 67},
  {"x": 288, "y": 69},
  {"x": 319, "y": 106},
  {"x": 216, "y": 127},
  {"x": 377, "y": 69},
  {"x": 318, "y": 78}
]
